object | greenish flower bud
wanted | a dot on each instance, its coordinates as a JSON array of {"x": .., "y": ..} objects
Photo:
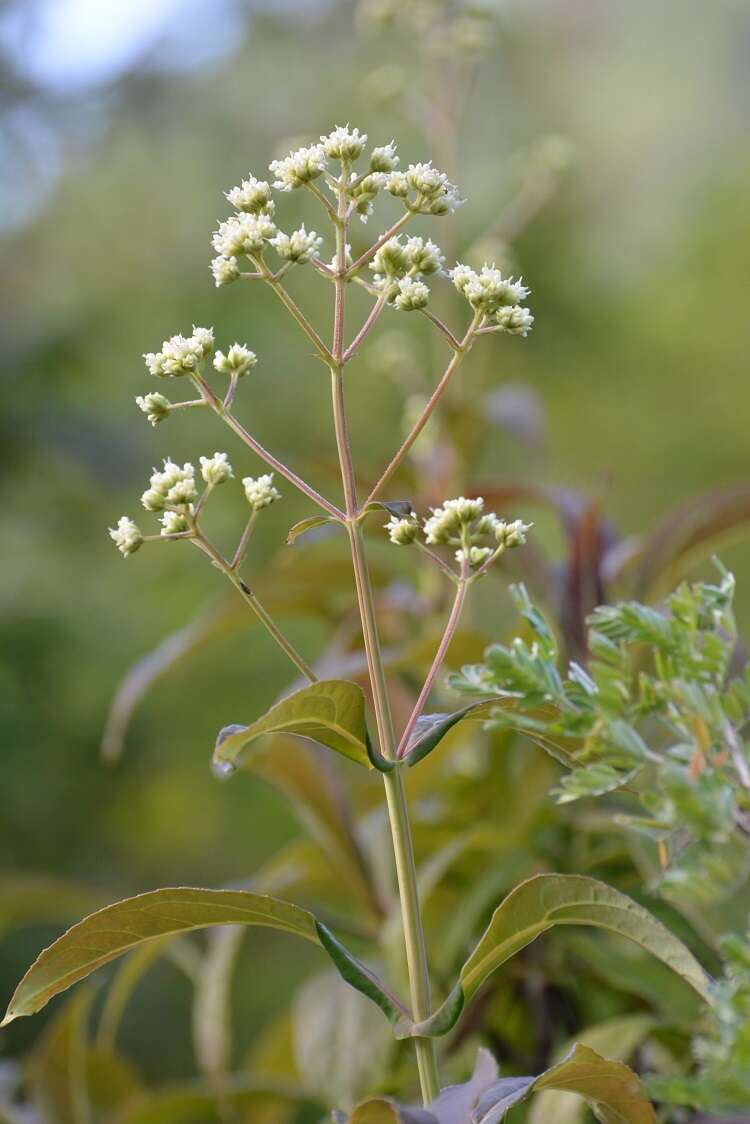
[
  {"x": 402, "y": 532},
  {"x": 344, "y": 143},
  {"x": 181, "y": 355},
  {"x": 424, "y": 255},
  {"x": 173, "y": 523},
  {"x": 126, "y": 536},
  {"x": 237, "y": 361},
  {"x": 384, "y": 159},
  {"x": 155, "y": 406},
  {"x": 252, "y": 196},
  {"x": 475, "y": 556},
  {"x": 297, "y": 247},
  {"x": 260, "y": 491},
  {"x": 225, "y": 270},
  {"x": 216, "y": 469},
  {"x": 512, "y": 534},
  {"x": 299, "y": 167},
  {"x": 516, "y": 320},
  {"x": 391, "y": 259},
  {"x": 411, "y": 296}
]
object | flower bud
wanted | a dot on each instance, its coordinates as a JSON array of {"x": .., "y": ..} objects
[
  {"x": 516, "y": 320},
  {"x": 225, "y": 270},
  {"x": 181, "y": 355},
  {"x": 424, "y": 255},
  {"x": 155, "y": 406},
  {"x": 343, "y": 143},
  {"x": 297, "y": 247},
  {"x": 513, "y": 534},
  {"x": 216, "y": 469},
  {"x": 237, "y": 361},
  {"x": 126, "y": 536},
  {"x": 299, "y": 167},
  {"x": 412, "y": 295},
  {"x": 390, "y": 260},
  {"x": 173, "y": 523},
  {"x": 171, "y": 485},
  {"x": 384, "y": 159},
  {"x": 260, "y": 491},
  {"x": 397, "y": 185},
  {"x": 475, "y": 557},
  {"x": 252, "y": 196},
  {"x": 435, "y": 194},
  {"x": 402, "y": 532},
  {"x": 242, "y": 234}
]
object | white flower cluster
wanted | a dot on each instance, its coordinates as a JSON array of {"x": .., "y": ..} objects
[
  {"x": 344, "y": 143},
  {"x": 243, "y": 234},
  {"x": 252, "y": 196},
  {"x": 298, "y": 168},
  {"x": 398, "y": 267},
  {"x": 126, "y": 536},
  {"x": 216, "y": 469},
  {"x": 171, "y": 487},
  {"x": 297, "y": 247},
  {"x": 462, "y": 523},
  {"x": 260, "y": 491},
  {"x": 424, "y": 190},
  {"x": 495, "y": 296},
  {"x": 155, "y": 406},
  {"x": 181, "y": 355},
  {"x": 237, "y": 361}
]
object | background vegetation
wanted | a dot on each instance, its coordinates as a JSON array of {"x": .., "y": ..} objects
[{"x": 618, "y": 132}]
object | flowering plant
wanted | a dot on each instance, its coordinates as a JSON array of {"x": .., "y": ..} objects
[{"x": 460, "y": 539}]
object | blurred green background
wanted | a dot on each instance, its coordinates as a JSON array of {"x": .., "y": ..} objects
[{"x": 120, "y": 127}]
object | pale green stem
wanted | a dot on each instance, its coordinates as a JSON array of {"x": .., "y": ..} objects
[{"x": 416, "y": 956}]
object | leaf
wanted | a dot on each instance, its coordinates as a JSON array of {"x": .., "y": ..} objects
[
  {"x": 612, "y": 1091},
  {"x": 399, "y": 509},
  {"x": 592, "y": 780},
  {"x": 212, "y": 997},
  {"x": 305, "y": 525},
  {"x": 57, "y": 1068},
  {"x": 360, "y": 977},
  {"x": 382, "y": 1110},
  {"x": 103, "y": 936},
  {"x": 340, "y": 1041},
  {"x": 616, "y": 1039},
  {"x": 430, "y": 729},
  {"x": 545, "y": 901},
  {"x": 331, "y": 712},
  {"x": 455, "y": 1103},
  {"x": 193, "y": 1102}
]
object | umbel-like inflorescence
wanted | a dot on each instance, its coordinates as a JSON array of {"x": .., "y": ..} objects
[{"x": 481, "y": 537}]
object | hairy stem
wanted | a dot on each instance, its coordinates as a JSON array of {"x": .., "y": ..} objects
[
  {"x": 416, "y": 955},
  {"x": 426, "y": 413},
  {"x": 437, "y": 663}
]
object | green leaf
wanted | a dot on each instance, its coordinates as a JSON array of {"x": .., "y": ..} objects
[
  {"x": 398, "y": 508},
  {"x": 341, "y": 1044},
  {"x": 331, "y": 712},
  {"x": 106, "y": 935},
  {"x": 359, "y": 976},
  {"x": 305, "y": 525},
  {"x": 383, "y": 1110},
  {"x": 545, "y": 901},
  {"x": 616, "y": 1039},
  {"x": 430, "y": 729},
  {"x": 212, "y": 1003},
  {"x": 612, "y": 1091},
  {"x": 192, "y": 1102}
]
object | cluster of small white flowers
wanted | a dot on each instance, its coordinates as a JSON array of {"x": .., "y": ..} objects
[
  {"x": 181, "y": 355},
  {"x": 171, "y": 486},
  {"x": 126, "y": 536},
  {"x": 364, "y": 189},
  {"x": 299, "y": 167},
  {"x": 173, "y": 523},
  {"x": 155, "y": 406},
  {"x": 299, "y": 246},
  {"x": 225, "y": 270},
  {"x": 402, "y": 531},
  {"x": 411, "y": 295},
  {"x": 216, "y": 469},
  {"x": 462, "y": 523},
  {"x": 384, "y": 158},
  {"x": 496, "y": 296},
  {"x": 425, "y": 190},
  {"x": 344, "y": 143},
  {"x": 237, "y": 361},
  {"x": 260, "y": 491},
  {"x": 242, "y": 234},
  {"x": 252, "y": 196}
]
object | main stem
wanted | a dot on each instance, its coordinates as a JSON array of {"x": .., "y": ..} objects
[{"x": 403, "y": 848}]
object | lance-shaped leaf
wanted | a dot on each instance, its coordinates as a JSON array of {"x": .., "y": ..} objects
[
  {"x": 310, "y": 524},
  {"x": 548, "y": 900},
  {"x": 430, "y": 729},
  {"x": 612, "y": 1091},
  {"x": 399, "y": 509},
  {"x": 126, "y": 925},
  {"x": 331, "y": 712}
]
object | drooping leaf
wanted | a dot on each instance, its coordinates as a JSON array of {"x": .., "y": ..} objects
[
  {"x": 359, "y": 976},
  {"x": 548, "y": 900},
  {"x": 305, "y": 525},
  {"x": 126, "y": 925},
  {"x": 331, "y": 712},
  {"x": 612, "y": 1091}
]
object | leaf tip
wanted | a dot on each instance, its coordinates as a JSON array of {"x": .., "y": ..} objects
[{"x": 10, "y": 1016}]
